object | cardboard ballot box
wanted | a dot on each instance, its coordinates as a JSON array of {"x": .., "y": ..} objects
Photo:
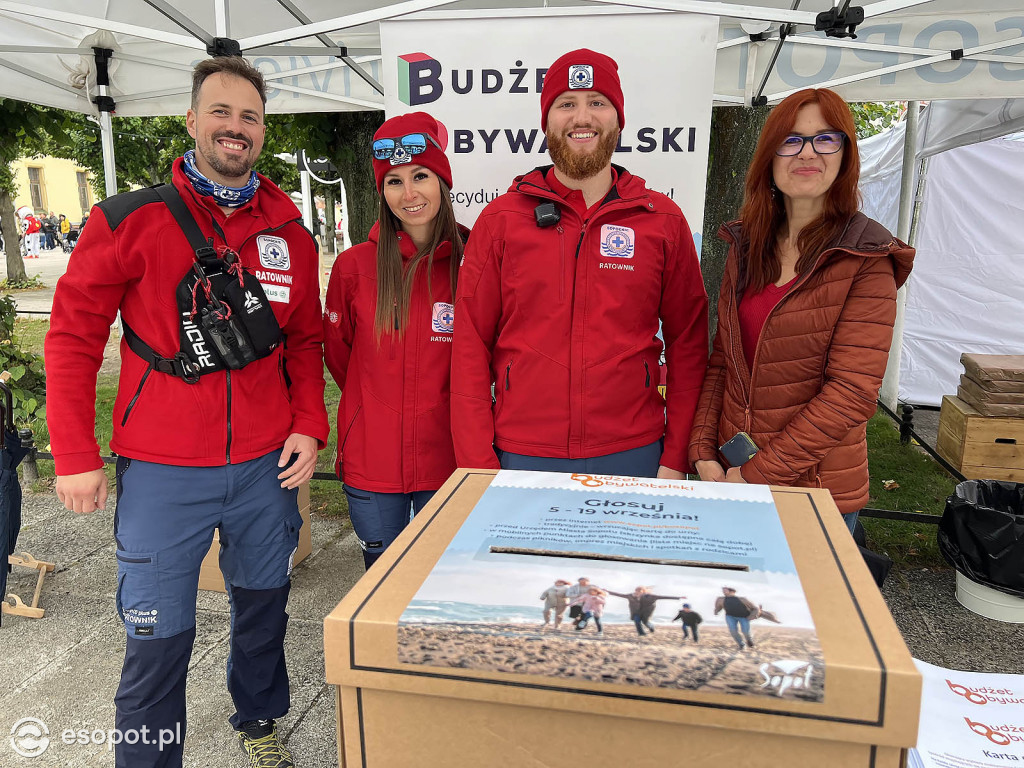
[
  {"x": 432, "y": 671},
  {"x": 210, "y": 576}
]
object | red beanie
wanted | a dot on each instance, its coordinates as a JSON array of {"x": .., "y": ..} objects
[
  {"x": 584, "y": 70},
  {"x": 432, "y": 158}
]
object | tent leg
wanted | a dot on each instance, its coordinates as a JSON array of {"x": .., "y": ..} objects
[
  {"x": 107, "y": 144},
  {"x": 890, "y": 384}
]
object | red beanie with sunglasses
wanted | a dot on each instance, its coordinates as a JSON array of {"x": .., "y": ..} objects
[
  {"x": 582, "y": 70},
  {"x": 432, "y": 156}
]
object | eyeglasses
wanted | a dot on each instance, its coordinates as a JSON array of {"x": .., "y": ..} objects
[
  {"x": 412, "y": 144},
  {"x": 823, "y": 143}
]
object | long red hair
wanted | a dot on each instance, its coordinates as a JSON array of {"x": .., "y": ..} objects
[{"x": 763, "y": 212}]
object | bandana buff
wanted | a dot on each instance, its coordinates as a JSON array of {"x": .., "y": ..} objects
[{"x": 229, "y": 197}]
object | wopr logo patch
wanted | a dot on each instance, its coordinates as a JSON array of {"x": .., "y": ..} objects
[
  {"x": 617, "y": 242},
  {"x": 581, "y": 77},
  {"x": 273, "y": 252},
  {"x": 443, "y": 318}
]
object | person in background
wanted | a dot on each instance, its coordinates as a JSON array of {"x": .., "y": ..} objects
[
  {"x": 388, "y": 327},
  {"x": 555, "y": 602},
  {"x": 806, "y": 311},
  {"x": 690, "y": 619},
  {"x": 738, "y": 613},
  {"x": 641, "y": 607}
]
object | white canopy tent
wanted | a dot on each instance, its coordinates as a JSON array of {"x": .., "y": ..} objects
[
  {"x": 964, "y": 294},
  {"x": 95, "y": 56}
]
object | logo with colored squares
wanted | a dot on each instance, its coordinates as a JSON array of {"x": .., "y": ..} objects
[
  {"x": 443, "y": 320},
  {"x": 418, "y": 79}
]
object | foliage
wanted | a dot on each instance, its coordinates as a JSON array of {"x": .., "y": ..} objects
[
  {"x": 34, "y": 283},
  {"x": 28, "y": 380},
  {"x": 923, "y": 487},
  {"x": 873, "y": 117}
]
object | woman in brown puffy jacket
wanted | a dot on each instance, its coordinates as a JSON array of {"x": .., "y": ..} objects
[{"x": 805, "y": 313}]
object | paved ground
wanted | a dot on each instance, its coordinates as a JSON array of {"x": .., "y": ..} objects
[{"x": 63, "y": 669}]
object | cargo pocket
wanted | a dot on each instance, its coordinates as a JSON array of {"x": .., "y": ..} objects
[{"x": 138, "y": 594}]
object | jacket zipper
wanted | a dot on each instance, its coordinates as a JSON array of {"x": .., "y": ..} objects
[
  {"x": 757, "y": 350},
  {"x": 228, "y": 448},
  {"x": 561, "y": 271},
  {"x": 647, "y": 369},
  {"x": 128, "y": 410},
  {"x": 508, "y": 373}
]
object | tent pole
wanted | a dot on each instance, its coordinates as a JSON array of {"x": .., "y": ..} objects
[
  {"x": 105, "y": 104},
  {"x": 307, "y": 200},
  {"x": 890, "y": 384},
  {"x": 107, "y": 142}
]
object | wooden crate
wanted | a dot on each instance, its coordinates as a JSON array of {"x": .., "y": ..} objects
[{"x": 982, "y": 447}]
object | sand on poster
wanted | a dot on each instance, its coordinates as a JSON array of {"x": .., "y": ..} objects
[{"x": 685, "y": 541}]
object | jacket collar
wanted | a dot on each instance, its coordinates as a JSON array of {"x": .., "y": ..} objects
[
  {"x": 408, "y": 249},
  {"x": 862, "y": 236},
  {"x": 270, "y": 202},
  {"x": 627, "y": 187}
]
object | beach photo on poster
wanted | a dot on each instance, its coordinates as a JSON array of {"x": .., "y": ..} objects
[{"x": 671, "y": 585}]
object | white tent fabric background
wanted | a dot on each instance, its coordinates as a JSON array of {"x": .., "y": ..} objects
[{"x": 965, "y": 293}]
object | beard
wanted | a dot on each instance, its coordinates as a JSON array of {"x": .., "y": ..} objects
[
  {"x": 582, "y": 165},
  {"x": 228, "y": 167}
]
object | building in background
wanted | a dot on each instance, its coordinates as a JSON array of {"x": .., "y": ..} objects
[{"x": 53, "y": 184}]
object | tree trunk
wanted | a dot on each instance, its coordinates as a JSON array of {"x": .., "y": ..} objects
[
  {"x": 9, "y": 227},
  {"x": 330, "y": 223},
  {"x": 734, "y": 134},
  {"x": 354, "y": 161}
]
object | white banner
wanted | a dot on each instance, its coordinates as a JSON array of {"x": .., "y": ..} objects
[
  {"x": 931, "y": 34},
  {"x": 485, "y": 88}
]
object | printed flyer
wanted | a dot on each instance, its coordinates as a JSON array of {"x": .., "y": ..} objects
[
  {"x": 637, "y": 581},
  {"x": 969, "y": 719}
]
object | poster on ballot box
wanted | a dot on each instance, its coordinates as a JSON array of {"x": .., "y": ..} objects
[{"x": 639, "y": 581}]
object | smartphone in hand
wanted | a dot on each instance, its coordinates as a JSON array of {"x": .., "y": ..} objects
[{"x": 739, "y": 450}]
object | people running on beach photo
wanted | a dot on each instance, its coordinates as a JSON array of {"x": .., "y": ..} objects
[
  {"x": 738, "y": 612},
  {"x": 592, "y": 606},
  {"x": 641, "y": 606},
  {"x": 690, "y": 619},
  {"x": 555, "y": 602}
]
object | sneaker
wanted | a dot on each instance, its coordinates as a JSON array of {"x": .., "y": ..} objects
[
  {"x": 750, "y": 643},
  {"x": 262, "y": 746}
]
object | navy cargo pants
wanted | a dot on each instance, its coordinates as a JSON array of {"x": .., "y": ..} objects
[{"x": 163, "y": 527}]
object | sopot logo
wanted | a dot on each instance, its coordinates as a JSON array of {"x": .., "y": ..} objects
[{"x": 782, "y": 675}]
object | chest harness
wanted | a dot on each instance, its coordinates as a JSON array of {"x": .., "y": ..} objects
[{"x": 226, "y": 321}]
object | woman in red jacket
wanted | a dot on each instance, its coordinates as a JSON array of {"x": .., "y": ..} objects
[
  {"x": 805, "y": 314},
  {"x": 387, "y": 336}
]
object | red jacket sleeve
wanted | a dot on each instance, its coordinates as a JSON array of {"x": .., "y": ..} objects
[
  {"x": 477, "y": 314},
  {"x": 856, "y": 364},
  {"x": 304, "y": 353},
  {"x": 339, "y": 328},
  {"x": 85, "y": 305},
  {"x": 684, "y": 322}
]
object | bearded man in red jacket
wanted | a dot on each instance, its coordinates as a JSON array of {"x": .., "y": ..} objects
[
  {"x": 566, "y": 279},
  {"x": 218, "y": 417}
]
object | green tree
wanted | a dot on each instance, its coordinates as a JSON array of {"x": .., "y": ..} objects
[
  {"x": 25, "y": 129},
  {"x": 345, "y": 138},
  {"x": 873, "y": 117}
]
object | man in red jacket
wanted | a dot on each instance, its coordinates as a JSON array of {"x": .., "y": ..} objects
[
  {"x": 565, "y": 280},
  {"x": 203, "y": 444}
]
